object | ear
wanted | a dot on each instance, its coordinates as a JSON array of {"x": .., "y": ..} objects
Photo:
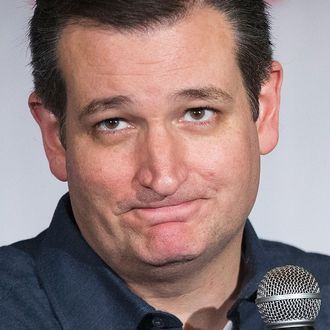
[
  {"x": 269, "y": 104},
  {"x": 50, "y": 131}
]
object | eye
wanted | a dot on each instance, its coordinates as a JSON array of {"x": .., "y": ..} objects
[
  {"x": 199, "y": 114},
  {"x": 113, "y": 125}
]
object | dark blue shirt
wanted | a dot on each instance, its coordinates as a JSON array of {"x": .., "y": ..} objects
[{"x": 56, "y": 281}]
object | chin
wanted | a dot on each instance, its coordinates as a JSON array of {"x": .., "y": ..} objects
[
  {"x": 172, "y": 262},
  {"x": 172, "y": 255},
  {"x": 172, "y": 268},
  {"x": 172, "y": 243},
  {"x": 175, "y": 254}
]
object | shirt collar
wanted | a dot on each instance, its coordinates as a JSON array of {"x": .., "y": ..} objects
[
  {"x": 254, "y": 259},
  {"x": 254, "y": 265}
]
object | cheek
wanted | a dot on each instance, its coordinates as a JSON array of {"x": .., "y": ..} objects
[
  {"x": 98, "y": 169},
  {"x": 226, "y": 159}
]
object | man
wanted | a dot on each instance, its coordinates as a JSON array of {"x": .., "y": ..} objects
[{"x": 155, "y": 113}]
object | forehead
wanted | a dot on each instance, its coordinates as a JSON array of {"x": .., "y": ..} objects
[{"x": 200, "y": 46}]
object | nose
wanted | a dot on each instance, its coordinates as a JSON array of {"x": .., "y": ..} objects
[{"x": 161, "y": 161}]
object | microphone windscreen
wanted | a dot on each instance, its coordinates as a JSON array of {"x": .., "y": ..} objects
[{"x": 288, "y": 296}]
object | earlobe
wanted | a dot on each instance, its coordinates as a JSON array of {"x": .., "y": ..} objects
[
  {"x": 269, "y": 104},
  {"x": 49, "y": 127}
]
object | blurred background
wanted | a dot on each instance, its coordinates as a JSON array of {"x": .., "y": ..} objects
[{"x": 294, "y": 197}]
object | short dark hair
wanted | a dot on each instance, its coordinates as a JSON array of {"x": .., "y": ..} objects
[{"x": 249, "y": 19}]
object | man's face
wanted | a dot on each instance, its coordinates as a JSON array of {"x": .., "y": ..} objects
[{"x": 162, "y": 156}]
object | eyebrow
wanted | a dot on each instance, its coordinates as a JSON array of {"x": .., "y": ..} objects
[
  {"x": 105, "y": 104},
  {"x": 209, "y": 93}
]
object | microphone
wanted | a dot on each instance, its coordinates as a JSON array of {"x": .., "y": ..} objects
[{"x": 289, "y": 297}]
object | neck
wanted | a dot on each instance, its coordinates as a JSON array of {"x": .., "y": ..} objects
[{"x": 204, "y": 291}]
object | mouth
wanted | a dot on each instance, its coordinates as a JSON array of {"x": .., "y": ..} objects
[{"x": 181, "y": 211}]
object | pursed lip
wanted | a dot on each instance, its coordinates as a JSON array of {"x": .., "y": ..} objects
[{"x": 158, "y": 213}]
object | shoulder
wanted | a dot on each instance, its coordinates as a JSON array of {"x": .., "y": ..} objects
[
  {"x": 17, "y": 269},
  {"x": 317, "y": 264},
  {"x": 23, "y": 302}
]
